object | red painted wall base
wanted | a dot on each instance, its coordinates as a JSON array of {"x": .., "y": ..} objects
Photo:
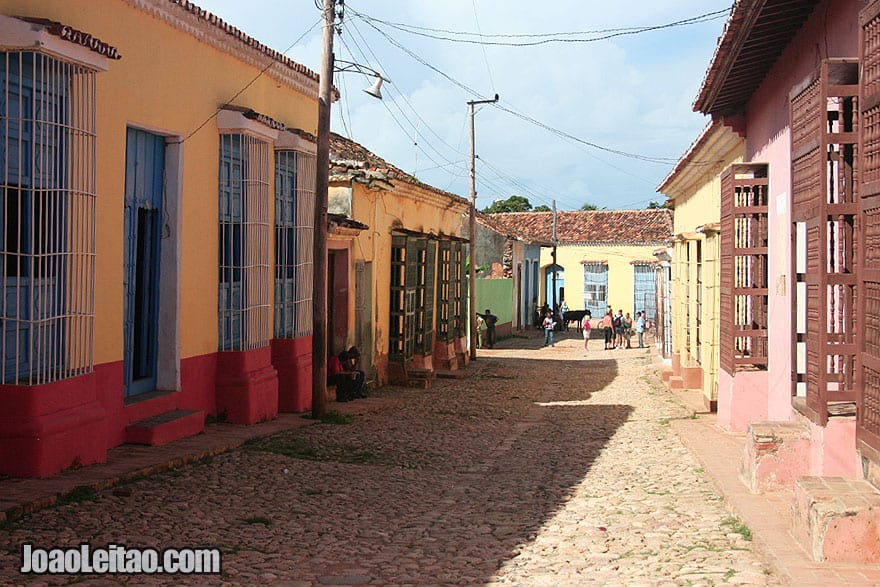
[
  {"x": 292, "y": 359},
  {"x": 247, "y": 386},
  {"x": 45, "y": 429}
]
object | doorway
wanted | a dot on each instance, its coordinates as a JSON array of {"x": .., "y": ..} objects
[{"x": 144, "y": 188}]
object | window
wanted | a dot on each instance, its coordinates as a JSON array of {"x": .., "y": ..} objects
[
  {"x": 402, "y": 303},
  {"x": 444, "y": 290},
  {"x": 47, "y": 171},
  {"x": 645, "y": 290},
  {"x": 596, "y": 288},
  {"x": 294, "y": 219},
  {"x": 243, "y": 243},
  {"x": 743, "y": 292},
  {"x": 824, "y": 132}
]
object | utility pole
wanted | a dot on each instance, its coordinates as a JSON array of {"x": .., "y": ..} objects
[
  {"x": 473, "y": 231},
  {"x": 319, "y": 252},
  {"x": 554, "y": 260}
]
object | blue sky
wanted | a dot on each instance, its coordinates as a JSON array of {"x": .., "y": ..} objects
[{"x": 630, "y": 93}]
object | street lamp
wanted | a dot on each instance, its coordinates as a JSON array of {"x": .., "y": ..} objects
[
  {"x": 473, "y": 231},
  {"x": 322, "y": 182}
]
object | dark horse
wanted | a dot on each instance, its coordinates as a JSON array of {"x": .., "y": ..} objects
[{"x": 575, "y": 316}]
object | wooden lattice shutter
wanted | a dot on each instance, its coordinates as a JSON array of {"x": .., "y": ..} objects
[
  {"x": 444, "y": 273},
  {"x": 824, "y": 209},
  {"x": 868, "y": 428},
  {"x": 744, "y": 240},
  {"x": 430, "y": 272}
]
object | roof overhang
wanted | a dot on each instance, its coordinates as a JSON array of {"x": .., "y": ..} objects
[
  {"x": 716, "y": 145},
  {"x": 754, "y": 37}
]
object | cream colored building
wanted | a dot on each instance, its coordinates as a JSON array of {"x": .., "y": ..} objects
[
  {"x": 601, "y": 257},
  {"x": 694, "y": 188}
]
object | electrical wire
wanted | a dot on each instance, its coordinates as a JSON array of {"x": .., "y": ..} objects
[
  {"x": 272, "y": 62},
  {"x": 604, "y": 35}
]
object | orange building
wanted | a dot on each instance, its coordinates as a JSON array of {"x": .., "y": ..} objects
[{"x": 157, "y": 172}]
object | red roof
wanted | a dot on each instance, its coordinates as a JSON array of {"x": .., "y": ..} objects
[
  {"x": 600, "y": 227},
  {"x": 347, "y": 156}
]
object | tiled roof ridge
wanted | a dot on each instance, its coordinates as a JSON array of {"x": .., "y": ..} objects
[
  {"x": 240, "y": 35},
  {"x": 365, "y": 159},
  {"x": 646, "y": 226}
]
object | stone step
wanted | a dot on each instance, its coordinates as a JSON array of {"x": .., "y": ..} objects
[
  {"x": 776, "y": 454},
  {"x": 837, "y": 519},
  {"x": 675, "y": 382},
  {"x": 166, "y": 427},
  {"x": 421, "y": 378},
  {"x": 452, "y": 373}
]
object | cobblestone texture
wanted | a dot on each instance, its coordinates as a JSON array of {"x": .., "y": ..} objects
[{"x": 544, "y": 467}]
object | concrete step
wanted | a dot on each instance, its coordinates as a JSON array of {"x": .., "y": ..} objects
[
  {"x": 166, "y": 427},
  {"x": 675, "y": 382},
  {"x": 837, "y": 519}
]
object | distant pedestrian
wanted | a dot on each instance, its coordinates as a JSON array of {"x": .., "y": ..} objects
[
  {"x": 588, "y": 330},
  {"x": 640, "y": 328},
  {"x": 549, "y": 324},
  {"x": 628, "y": 329},
  {"x": 490, "y": 320},
  {"x": 617, "y": 321},
  {"x": 608, "y": 330}
]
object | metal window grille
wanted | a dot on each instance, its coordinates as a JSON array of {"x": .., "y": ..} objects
[
  {"x": 824, "y": 124},
  {"x": 307, "y": 169},
  {"x": 294, "y": 212},
  {"x": 244, "y": 281},
  {"x": 743, "y": 292},
  {"x": 596, "y": 288},
  {"x": 645, "y": 290},
  {"x": 47, "y": 218}
]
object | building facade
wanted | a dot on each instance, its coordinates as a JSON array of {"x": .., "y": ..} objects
[
  {"x": 601, "y": 258},
  {"x": 798, "y": 334},
  {"x": 155, "y": 220},
  {"x": 398, "y": 268},
  {"x": 694, "y": 189}
]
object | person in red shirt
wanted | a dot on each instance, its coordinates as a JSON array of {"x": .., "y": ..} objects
[{"x": 337, "y": 376}]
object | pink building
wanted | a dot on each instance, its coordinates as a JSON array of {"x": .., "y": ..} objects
[{"x": 800, "y": 290}]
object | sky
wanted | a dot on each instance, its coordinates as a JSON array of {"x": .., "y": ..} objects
[{"x": 580, "y": 121}]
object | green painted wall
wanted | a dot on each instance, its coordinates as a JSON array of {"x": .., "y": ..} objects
[{"x": 496, "y": 294}]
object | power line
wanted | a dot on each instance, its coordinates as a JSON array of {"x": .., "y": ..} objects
[
  {"x": 249, "y": 84},
  {"x": 549, "y": 37}
]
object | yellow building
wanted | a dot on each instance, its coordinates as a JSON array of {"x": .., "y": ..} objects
[
  {"x": 156, "y": 172},
  {"x": 602, "y": 257},
  {"x": 397, "y": 268},
  {"x": 694, "y": 188}
]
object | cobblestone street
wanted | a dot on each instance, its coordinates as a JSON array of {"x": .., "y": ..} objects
[{"x": 543, "y": 467}]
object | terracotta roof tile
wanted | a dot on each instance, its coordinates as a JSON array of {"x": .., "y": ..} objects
[
  {"x": 600, "y": 227},
  {"x": 350, "y": 158}
]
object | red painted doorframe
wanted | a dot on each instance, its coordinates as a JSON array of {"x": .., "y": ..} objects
[{"x": 337, "y": 299}]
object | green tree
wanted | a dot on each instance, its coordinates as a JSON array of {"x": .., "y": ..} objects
[
  {"x": 511, "y": 204},
  {"x": 589, "y": 207},
  {"x": 656, "y": 205},
  {"x": 542, "y": 208}
]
